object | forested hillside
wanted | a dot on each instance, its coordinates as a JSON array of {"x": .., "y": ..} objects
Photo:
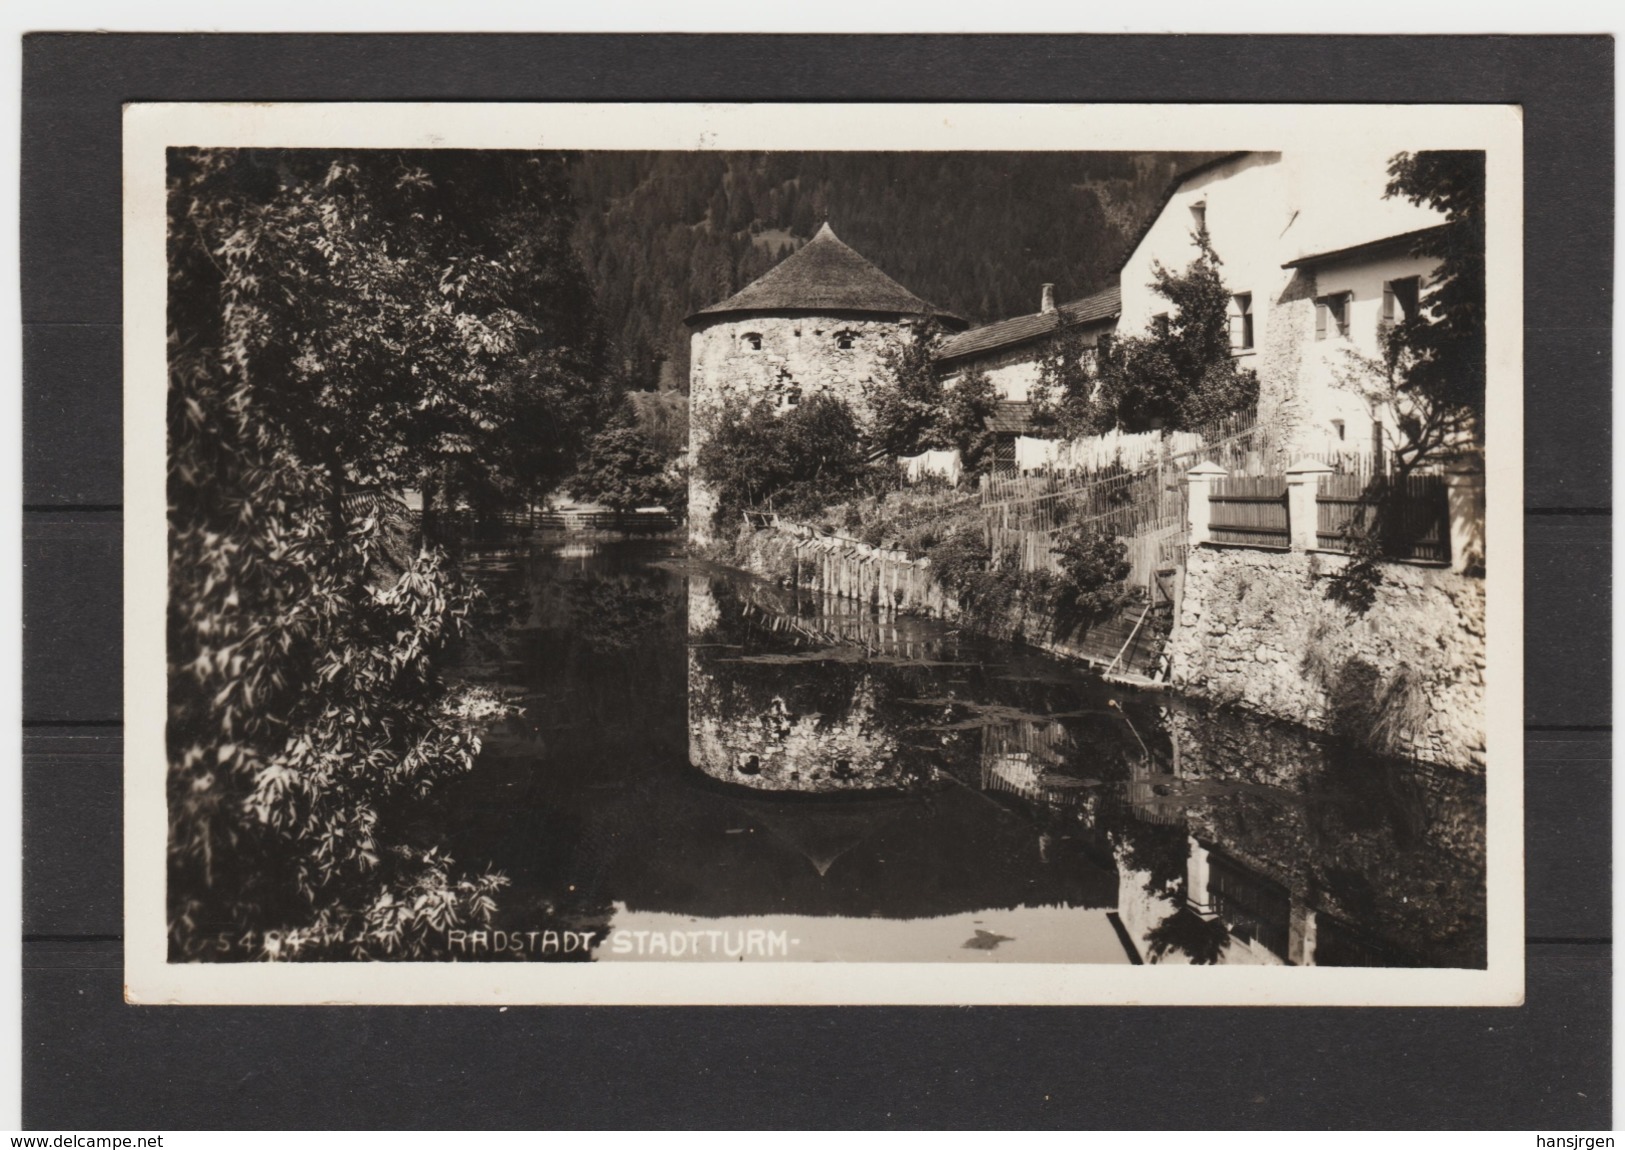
[{"x": 663, "y": 234}]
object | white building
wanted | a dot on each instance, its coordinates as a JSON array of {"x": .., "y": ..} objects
[
  {"x": 1011, "y": 352},
  {"x": 1317, "y": 261}
]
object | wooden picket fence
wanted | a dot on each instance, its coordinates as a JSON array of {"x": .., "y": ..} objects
[
  {"x": 1412, "y": 514},
  {"x": 1250, "y": 510}
]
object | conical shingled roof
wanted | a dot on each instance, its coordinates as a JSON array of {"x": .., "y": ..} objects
[{"x": 826, "y": 276}]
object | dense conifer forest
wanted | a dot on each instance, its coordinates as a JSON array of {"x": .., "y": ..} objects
[{"x": 663, "y": 234}]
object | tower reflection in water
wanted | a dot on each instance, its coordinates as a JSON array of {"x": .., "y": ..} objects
[
  {"x": 887, "y": 789},
  {"x": 1230, "y": 839}
]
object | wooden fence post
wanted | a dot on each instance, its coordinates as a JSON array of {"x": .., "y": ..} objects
[
  {"x": 1201, "y": 479},
  {"x": 1302, "y": 489}
]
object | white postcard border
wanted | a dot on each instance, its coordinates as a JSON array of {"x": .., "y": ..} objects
[{"x": 151, "y": 128}]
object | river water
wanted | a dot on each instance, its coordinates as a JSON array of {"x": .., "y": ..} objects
[{"x": 711, "y": 768}]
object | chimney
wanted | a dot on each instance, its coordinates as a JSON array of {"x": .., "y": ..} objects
[{"x": 1048, "y": 303}]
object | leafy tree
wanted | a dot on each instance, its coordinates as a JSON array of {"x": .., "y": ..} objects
[
  {"x": 1063, "y": 396},
  {"x": 421, "y": 315},
  {"x": 913, "y": 409},
  {"x": 1440, "y": 352},
  {"x": 1429, "y": 371},
  {"x": 905, "y": 402},
  {"x": 341, "y": 324},
  {"x": 1179, "y": 378},
  {"x": 663, "y": 418},
  {"x": 1093, "y": 567},
  {"x": 622, "y": 469},
  {"x": 799, "y": 462},
  {"x": 962, "y": 420}
]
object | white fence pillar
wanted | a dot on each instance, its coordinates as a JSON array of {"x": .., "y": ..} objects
[
  {"x": 1465, "y": 484},
  {"x": 1200, "y": 480},
  {"x": 1302, "y": 486},
  {"x": 1197, "y": 877}
]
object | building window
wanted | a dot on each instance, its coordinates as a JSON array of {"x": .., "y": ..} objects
[
  {"x": 1332, "y": 316},
  {"x": 1401, "y": 301},
  {"x": 844, "y": 340},
  {"x": 1241, "y": 321},
  {"x": 1159, "y": 324},
  {"x": 1199, "y": 215},
  {"x": 752, "y": 341},
  {"x": 792, "y": 397}
]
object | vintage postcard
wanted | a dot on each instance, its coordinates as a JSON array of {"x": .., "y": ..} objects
[{"x": 823, "y": 554}]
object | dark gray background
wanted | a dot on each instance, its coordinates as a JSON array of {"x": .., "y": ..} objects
[{"x": 92, "y": 1062}]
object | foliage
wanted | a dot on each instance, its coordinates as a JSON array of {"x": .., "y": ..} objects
[
  {"x": 341, "y": 324},
  {"x": 906, "y": 399},
  {"x": 1402, "y": 711},
  {"x": 622, "y": 469},
  {"x": 1094, "y": 565},
  {"x": 1181, "y": 378},
  {"x": 1159, "y": 851},
  {"x": 1355, "y": 584},
  {"x": 807, "y": 459},
  {"x": 989, "y": 592},
  {"x": 1202, "y": 940},
  {"x": 416, "y": 319},
  {"x": 960, "y": 559},
  {"x": 1063, "y": 395},
  {"x": 1441, "y": 352},
  {"x": 912, "y": 409},
  {"x": 962, "y": 420},
  {"x": 663, "y": 418}
]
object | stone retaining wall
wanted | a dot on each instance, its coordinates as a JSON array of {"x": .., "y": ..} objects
[{"x": 1407, "y": 677}]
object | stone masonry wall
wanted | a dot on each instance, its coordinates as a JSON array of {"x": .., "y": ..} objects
[
  {"x": 800, "y": 355},
  {"x": 1256, "y": 629}
]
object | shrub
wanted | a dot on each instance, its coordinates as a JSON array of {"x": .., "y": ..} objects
[
  {"x": 622, "y": 469},
  {"x": 1355, "y": 586},
  {"x": 798, "y": 463},
  {"x": 1090, "y": 588},
  {"x": 960, "y": 560}
]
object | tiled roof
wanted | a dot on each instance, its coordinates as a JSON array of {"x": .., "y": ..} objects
[
  {"x": 1103, "y": 305},
  {"x": 1010, "y": 418},
  {"x": 826, "y": 276},
  {"x": 1381, "y": 242}
]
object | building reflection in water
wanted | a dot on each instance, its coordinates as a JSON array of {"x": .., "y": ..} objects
[
  {"x": 1235, "y": 840},
  {"x": 790, "y": 759}
]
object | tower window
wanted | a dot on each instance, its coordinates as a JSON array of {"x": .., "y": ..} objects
[
  {"x": 844, "y": 340},
  {"x": 752, "y": 341}
]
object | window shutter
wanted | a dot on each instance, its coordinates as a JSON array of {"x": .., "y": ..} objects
[
  {"x": 1235, "y": 332},
  {"x": 1320, "y": 319},
  {"x": 1388, "y": 315}
]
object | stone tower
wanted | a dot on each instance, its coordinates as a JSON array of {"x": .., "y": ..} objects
[{"x": 818, "y": 322}]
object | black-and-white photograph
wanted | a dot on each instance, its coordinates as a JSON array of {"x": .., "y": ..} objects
[{"x": 783, "y": 556}]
